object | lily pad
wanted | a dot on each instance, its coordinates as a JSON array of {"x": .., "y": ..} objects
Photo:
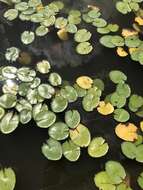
[
  {"x": 12, "y": 54},
  {"x": 72, "y": 118},
  {"x": 46, "y": 91},
  {"x": 59, "y": 104},
  {"x": 25, "y": 116},
  {"x": 55, "y": 79},
  {"x": 82, "y": 35},
  {"x": 71, "y": 151},
  {"x": 27, "y": 37},
  {"x": 8, "y": 101},
  {"x": 52, "y": 149},
  {"x": 11, "y": 14},
  {"x": 97, "y": 147},
  {"x": 25, "y": 74},
  {"x": 69, "y": 93},
  {"x": 117, "y": 76},
  {"x": 121, "y": 115},
  {"x": 43, "y": 66},
  {"x": 41, "y": 31},
  {"x": 84, "y": 48},
  {"x": 140, "y": 180},
  {"x": 80, "y": 136},
  {"x": 59, "y": 131}
]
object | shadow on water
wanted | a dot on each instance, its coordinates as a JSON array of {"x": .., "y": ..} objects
[{"x": 21, "y": 150}]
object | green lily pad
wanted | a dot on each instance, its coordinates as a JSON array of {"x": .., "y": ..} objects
[
  {"x": 52, "y": 149},
  {"x": 80, "y": 91},
  {"x": 121, "y": 115},
  {"x": 72, "y": 118},
  {"x": 23, "y": 88},
  {"x": 75, "y": 13},
  {"x": 8, "y": 101},
  {"x": 107, "y": 41},
  {"x": 9, "y": 72},
  {"x": 90, "y": 102},
  {"x": 82, "y": 35},
  {"x": 123, "y": 89},
  {"x": 99, "y": 22},
  {"x": 35, "y": 83},
  {"x": 61, "y": 22},
  {"x": 25, "y": 74},
  {"x": 123, "y": 186},
  {"x": 37, "y": 18},
  {"x": 27, "y": 37},
  {"x": 55, "y": 79},
  {"x": 94, "y": 13},
  {"x": 129, "y": 149},
  {"x": 139, "y": 153},
  {"x": 84, "y": 48},
  {"x": 7, "y": 179},
  {"x": 103, "y": 181},
  {"x": 140, "y": 180},
  {"x": 23, "y": 104},
  {"x": 139, "y": 140},
  {"x": 115, "y": 170},
  {"x": 71, "y": 151},
  {"x": 10, "y": 88},
  {"x": 34, "y": 3},
  {"x": 46, "y": 91},
  {"x": 117, "y": 41},
  {"x": 72, "y": 19},
  {"x": 123, "y": 7},
  {"x": 113, "y": 27},
  {"x": 43, "y": 66},
  {"x": 104, "y": 30},
  {"x": 2, "y": 112},
  {"x": 118, "y": 100},
  {"x": 11, "y": 14},
  {"x": 9, "y": 123},
  {"x": 59, "y": 131},
  {"x": 33, "y": 96},
  {"x": 71, "y": 28},
  {"x": 87, "y": 18},
  {"x": 39, "y": 111},
  {"x": 41, "y": 31},
  {"x": 69, "y": 93},
  {"x": 25, "y": 116},
  {"x": 99, "y": 84},
  {"x": 97, "y": 147},
  {"x": 80, "y": 136},
  {"x": 117, "y": 76},
  {"x": 135, "y": 102},
  {"x": 12, "y": 54},
  {"x": 22, "y": 6},
  {"x": 132, "y": 41},
  {"x": 59, "y": 104}
]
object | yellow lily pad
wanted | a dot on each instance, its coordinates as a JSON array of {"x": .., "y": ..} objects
[
  {"x": 62, "y": 34},
  {"x": 139, "y": 20},
  {"x": 126, "y": 132},
  {"x": 127, "y": 32},
  {"x": 121, "y": 52},
  {"x": 105, "y": 108},
  {"x": 84, "y": 82}
]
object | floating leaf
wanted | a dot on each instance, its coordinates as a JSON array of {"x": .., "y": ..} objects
[
  {"x": 118, "y": 100},
  {"x": 71, "y": 151},
  {"x": 123, "y": 7},
  {"x": 123, "y": 89},
  {"x": 135, "y": 102},
  {"x": 52, "y": 149},
  {"x": 7, "y": 179},
  {"x": 25, "y": 74},
  {"x": 80, "y": 91},
  {"x": 97, "y": 147},
  {"x": 107, "y": 41},
  {"x": 139, "y": 20},
  {"x": 82, "y": 35},
  {"x": 121, "y": 52},
  {"x": 71, "y": 28},
  {"x": 69, "y": 93},
  {"x": 27, "y": 37},
  {"x": 99, "y": 84},
  {"x": 72, "y": 118},
  {"x": 12, "y": 54},
  {"x": 23, "y": 88},
  {"x": 11, "y": 14},
  {"x": 129, "y": 150},
  {"x": 10, "y": 87},
  {"x": 140, "y": 180},
  {"x": 139, "y": 153},
  {"x": 33, "y": 96},
  {"x": 55, "y": 79},
  {"x": 2, "y": 112},
  {"x": 59, "y": 104},
  {"x": 84, "y": 82},
  {"x": 61, "y": 22},
  {"x": 46, "y": 91},
  {"x": 105, "y": 108},
  {"x": 9, "y": 123},
  {"x": 126, "y": 132},
  {"x": 59, "y": 131},
  {"x": 8, "y": 101},
  {"x": 84, "y": 48},
  {"x": 99, "y": 22},
  {"x": 80, "y": 136},
  {"x": 132, "y": 41},
  {"x": 115, "y": 170},
  {"x": 41, "y": 31},
  {"x": 43, "y": 66},
  {"x": 117, "y": 40},
  {"x": 9, "y": 72},
  {"x": 22, "y": 6},
  {"x": 117, "y": 76},
  {"x": 25, "y": 116}
]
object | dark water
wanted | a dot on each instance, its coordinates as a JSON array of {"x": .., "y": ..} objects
[{"x": 21, "y": 149}]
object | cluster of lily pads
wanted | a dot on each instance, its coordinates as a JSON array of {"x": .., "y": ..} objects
[{"x": 113, "y": 178}]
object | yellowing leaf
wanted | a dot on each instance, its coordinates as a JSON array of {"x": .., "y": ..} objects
[
  {"x": 121, "y": 52},
  {"x": 141, "y": 125},
  {"x": 126, "y": 132},
  {"x": 139, "y": 20},
  {"x": 127, "y": 32},
  {"x": 131, "y": 50},
  {"x": 105, "y": 109},
  {"x": 84, "y": 82},
  {"x": 40, "y": 7},
  {"x": 62, "y": 34}
]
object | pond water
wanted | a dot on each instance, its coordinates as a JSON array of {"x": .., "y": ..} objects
[{"x": 22, "y": 149}]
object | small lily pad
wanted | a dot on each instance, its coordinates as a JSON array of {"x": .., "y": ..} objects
[
  {"x": 25, "y": 74},
  {"x": 129, "y": 149},
  {"x": 82, "y": 35},
  {"x": 2, "y": 112},
  {"x": 59, "y": 104},
  {"x": 9, "y": 72},
  {"x": 97, "y": 147},
  {"x": 27, "y": 37},
  {"x": 55, "y": 79},
  {"x": 61, "y": 22},
  {"x": 69, "y": 93},
  {"x": 59, "y": 131},
  {"x": 8, "y": 101},
  {"x": 117, "y": 76},
  {"x": 140, "y": 180},
  {"x": 12, "y": 54},
  {"x": 43, "y": 66},
  {"x": 9, "y": 123},
  {"x": 41, "y": 31},
  {"x": 46, "y": 91},
  {"x": 25, "y": 116},
  {"x": 52, "y": 149},
  {"x": 80, "y": 136},
  {"x": 84, "y": 48},
  {"x": 121, "y": 115},
  {"x": 72, "y": 118},
  {"x": 11, "y": 14},
  {"x": 71, "y": 151}
]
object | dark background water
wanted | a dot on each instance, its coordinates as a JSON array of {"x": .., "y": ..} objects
[{"x": 21, "y": 149}]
